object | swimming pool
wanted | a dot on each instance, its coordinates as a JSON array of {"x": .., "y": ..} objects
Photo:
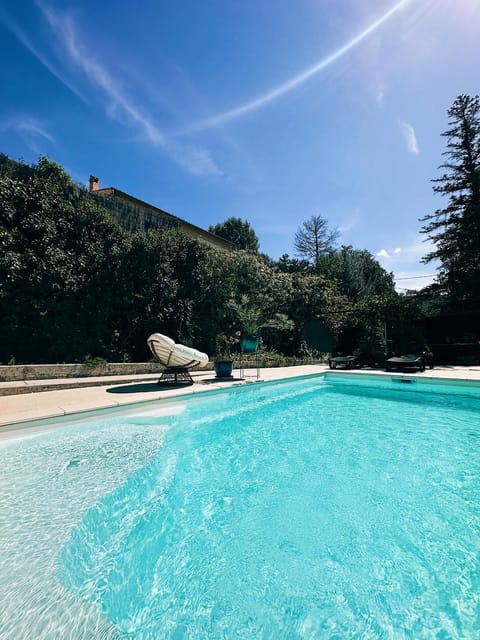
[{"x": 328, "y": 507}]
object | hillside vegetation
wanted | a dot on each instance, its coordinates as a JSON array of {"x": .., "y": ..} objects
[{"x": 75, "y": 284}]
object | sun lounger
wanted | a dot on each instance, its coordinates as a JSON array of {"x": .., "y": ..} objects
[
  {"x": 408, "y": 361},
  {"x": 347, "y": 362}
]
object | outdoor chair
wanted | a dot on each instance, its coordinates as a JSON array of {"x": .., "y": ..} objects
[
  {"x": 407, "y": 361},
  {"x": 176, "y": 358},
  {"x": 347, "y": 362}
]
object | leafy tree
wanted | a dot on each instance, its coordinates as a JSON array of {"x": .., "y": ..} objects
[
  {"x": 293, "y": 265},
  {"x": 238, "y": 232},
  {"x": 59, "y": 257},
  {"x": 357, "y": 272},
  {"x": 145, "y": 292},
  {"x": 455, "y": 229},
  {"x": 74, "y": 283},
  {"x": 314, "y": 238}
]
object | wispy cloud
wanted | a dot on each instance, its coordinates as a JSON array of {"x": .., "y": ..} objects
[
  {"x": 76, "y": 53},
  {"x": 350, "y": 221},
  {"x": 382, "y": 85},
  {"x": 26, "y": 125},
  {"x": 383, "y": 253},
  {"x": 96, "y": 73},
  {"x": 30, "y": 130},
  {"x": 410, "y": 137},
  {"x": 299, "y": 79},
  {"x": 380, "y": 97},
  {"x": 41, "y": 56},
  {"x": 195, "y": 160}
]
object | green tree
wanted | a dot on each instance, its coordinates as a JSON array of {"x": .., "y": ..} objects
[
  {"x": 314, "y": 238},
  {"x": 74, "y": 283},
  {"x": 357, "y": 272},
  {"x": 293, "y": 265},
  {"x": 455, "y": 229},
  {"x": 238, "y": 232},
  {"x": 58, "y": 260}
]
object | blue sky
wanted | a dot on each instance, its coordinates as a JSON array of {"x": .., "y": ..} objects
[{"x": 272, "y": 111}]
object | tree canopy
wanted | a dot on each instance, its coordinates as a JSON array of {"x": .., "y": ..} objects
[
  {"x": 238, "y": 232},
  {"x": 455, "y": 229},
  {"x": 357, "y": 273},
  {"x": 74, "y": 283}
]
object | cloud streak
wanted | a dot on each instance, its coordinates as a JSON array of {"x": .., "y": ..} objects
[
  {"x": 26, "y": 125},
  {"x": 26, "y": 42},
  {"x": 195, "y": 160},
  {"x": 97, "y": 74},
  {"x": 299, "y": 79},
  {"x": 410, "y": 137},
  {"x": 30, "y": 130}
]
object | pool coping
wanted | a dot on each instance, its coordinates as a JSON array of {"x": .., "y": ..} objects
[
  {"x": 58, "y": 403},
  {"x": 54, "y": 405},
  {"x": 397, "y": 375}
]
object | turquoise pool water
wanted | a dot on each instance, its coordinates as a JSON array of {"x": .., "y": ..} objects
[{"x": 314, "y": 508}]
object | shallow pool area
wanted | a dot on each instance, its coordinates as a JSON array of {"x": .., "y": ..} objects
[{"x": 325, "y": 507}]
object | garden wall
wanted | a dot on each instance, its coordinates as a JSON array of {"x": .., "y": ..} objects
[{"x": 52, "y": 371}]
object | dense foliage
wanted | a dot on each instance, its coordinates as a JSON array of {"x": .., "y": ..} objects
[
  {"x": 75, "y": 284},
  {"x": 455, "y": 229},
  {"x": 238, "y": 232}
]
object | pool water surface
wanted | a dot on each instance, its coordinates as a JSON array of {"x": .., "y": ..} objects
[{"x": 313, "y": 508}]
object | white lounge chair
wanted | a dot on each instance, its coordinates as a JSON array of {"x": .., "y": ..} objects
[{"x": 176, "y": 358}]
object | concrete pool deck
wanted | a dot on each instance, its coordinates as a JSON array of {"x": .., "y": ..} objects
[{"x": 25, "y": 406}]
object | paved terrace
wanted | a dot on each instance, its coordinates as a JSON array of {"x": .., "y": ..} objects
[{"x": 73, "y": 398}]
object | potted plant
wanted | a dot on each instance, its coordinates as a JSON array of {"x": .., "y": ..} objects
[{"x": 223, "y": 361}]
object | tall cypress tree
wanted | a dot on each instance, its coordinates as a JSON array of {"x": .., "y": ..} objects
[{"x": 455, "y": 229}]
